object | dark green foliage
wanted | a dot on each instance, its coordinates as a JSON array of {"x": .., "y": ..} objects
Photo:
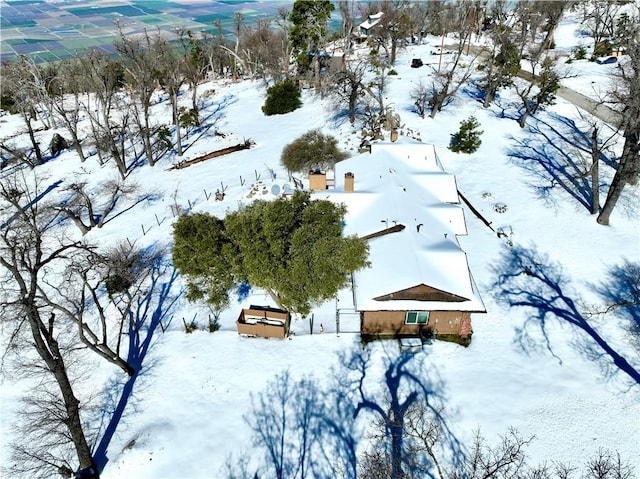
[
  {"x": 200, "y": 252},
  {"x": 502, "y": 67},
  {"x": 7, "y": 103},
  {"x": 580, "y": 53},
  {"x": 290, "y": 247},
  {"x": 467, "y": 139},
  {"x": 188, "y": 117},
  {"x": 309, "y": 23},
  {"x": 548, "y": 83},
  {"x": 508, "y": 59},
  {"x": 282, "y": 97},
  {"x": 311, "y": 150},
  {"x": 624, "y": 30},
  {"x": 164, "y": 136}
]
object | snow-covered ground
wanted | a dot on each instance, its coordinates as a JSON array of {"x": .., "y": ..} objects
[{"x": 186, "y": 413}]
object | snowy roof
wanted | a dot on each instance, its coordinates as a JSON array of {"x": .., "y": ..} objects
[
  {"x": 403, "y": 183},
  {"x": 371, "y": 21}
]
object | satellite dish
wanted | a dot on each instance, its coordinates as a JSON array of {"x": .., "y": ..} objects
[
  {"x": 286, "y": 189},
  {"x": 275, "y": 189}
]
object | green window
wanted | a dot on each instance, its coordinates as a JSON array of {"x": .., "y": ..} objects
[{"x": 417, "y": 317}]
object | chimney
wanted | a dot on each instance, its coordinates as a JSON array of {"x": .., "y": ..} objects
[
  {"x": 348, "y": 182},
  {"x": 317, "y": 180},
  {"x": 394, "y": 135}
]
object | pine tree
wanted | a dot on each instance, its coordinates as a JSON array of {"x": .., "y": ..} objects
[
  {"x": 283, "y": 97},
  {"x": 467, "y": 139}
]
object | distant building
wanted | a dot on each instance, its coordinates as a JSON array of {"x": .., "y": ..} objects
[{"x": 366, "y": 28}]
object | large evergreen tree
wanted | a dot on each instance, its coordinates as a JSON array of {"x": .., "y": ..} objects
[
  {"x": 290, "y": 247},
  {"x": 309, "y": 26}
]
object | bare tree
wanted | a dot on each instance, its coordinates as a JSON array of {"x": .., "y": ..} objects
[
  {"x": 540, "y": 90},
  {"x": 394, "y": 26},
  {"x": 189, "y": 65},
  {"x": 350, "y": 86},
  {"x": 67, "y": 105},
  {"x": 32, "y": 248},
  {"x": 599, "y": 18},
  {"x": 141, "y": 64},
  {"x": 448, "y": 81},
  {"x": 18, "y": 85},
  {"x": 347, "y": 10},
  {"x": 89, "y": 209},
  {"x": 420, "y": 94},
  {"x": 99, "y": 294},
  {"x": 626, "y": 95},
  {"x": 506, "y": 460},
  {"x": 170, "y": 74},
  {"x": 104, "y": 79}
]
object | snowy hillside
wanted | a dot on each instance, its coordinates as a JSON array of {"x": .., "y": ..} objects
[{"x": 190, "y": 408}]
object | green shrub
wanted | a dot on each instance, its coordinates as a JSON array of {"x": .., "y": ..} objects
[
  {"x": 283, "y": 97},
  {"x": 8, "y": 104},
  {"x": 580, "y": 53},
  {"x": 392, "y": 72},
  {"x": 190, "y": 327},
  {"x": 311, "y": 150},
  {"x": 214, "y": 324},
  {"x": 467, "y": 139}
]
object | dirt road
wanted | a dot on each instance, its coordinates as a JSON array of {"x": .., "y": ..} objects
[{"x": 597, "y": 109}]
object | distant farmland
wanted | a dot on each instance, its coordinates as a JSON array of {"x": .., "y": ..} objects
[{"x": 47, "y": 31}]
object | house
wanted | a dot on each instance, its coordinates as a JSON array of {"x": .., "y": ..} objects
[
  {"x": 402, "y": 201},
  {"x": 264, "y": 321},
  {"x": 365, "y": 29}
]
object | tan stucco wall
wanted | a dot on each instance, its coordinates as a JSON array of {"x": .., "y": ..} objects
[
  {"x": 393, "y": 322},
  {"x": 387, "y": 323},
  {"x": 447, "y": 322}
]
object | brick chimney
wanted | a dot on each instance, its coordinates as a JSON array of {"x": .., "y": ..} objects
[
  {"x": 348, "y": 182},
  {"x": 317, "y": 180}
]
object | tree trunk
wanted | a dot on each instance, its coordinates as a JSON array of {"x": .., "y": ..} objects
[
  {"x": 595, "y": 173},
  {"x": 176, "y": 116},
  {"x": 194, "y": 96},
  {"x": 146, "y": 136},
  {"x": 353, "y": 98},
  {"x": 626, "y": 173},
  {"x": 523, "y": 118},
  {"x": 48, "y": 350},
  {"x": 36, "y": 145}
]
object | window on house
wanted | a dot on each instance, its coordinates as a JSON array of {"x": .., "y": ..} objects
[{"x": 417, "y": 317}]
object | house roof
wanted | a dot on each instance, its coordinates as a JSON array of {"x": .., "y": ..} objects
[
  {"x": 403, "y": 183},
  {"x": 371, "y": 21}
]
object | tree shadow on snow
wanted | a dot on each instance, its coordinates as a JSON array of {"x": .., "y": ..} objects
[
  {"x": 311, "y": 428},
  {"x": 528, "y": 279},
  {"x": 149, "y": 312},
  {"x": 620, "y": 291},
  {"x": 557, "y": 155}
]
